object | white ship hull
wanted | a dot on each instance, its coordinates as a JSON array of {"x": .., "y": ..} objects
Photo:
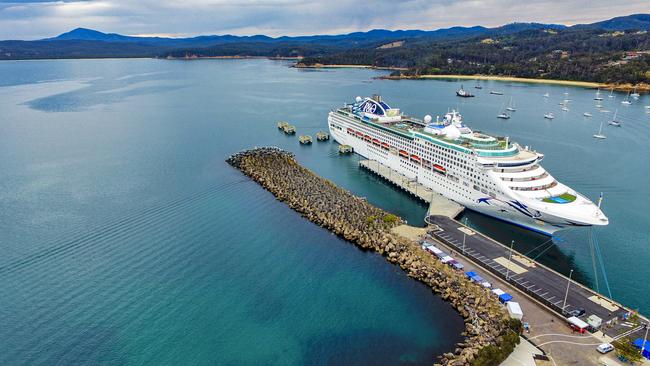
[{"x": 503, "y": 207}]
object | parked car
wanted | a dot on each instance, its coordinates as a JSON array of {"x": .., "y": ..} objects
[
  {"x": 577, "y": 312},
  {"x": 604, "y": 348}
]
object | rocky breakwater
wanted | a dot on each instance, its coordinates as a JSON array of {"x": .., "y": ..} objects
[{"x": 490, "y": 335}]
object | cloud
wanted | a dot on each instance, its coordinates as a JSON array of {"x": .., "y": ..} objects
[{"x": 31, "y": 19}]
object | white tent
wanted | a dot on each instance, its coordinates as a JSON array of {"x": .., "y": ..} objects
[
  {"x": 498, "y": 291},
  {"x": 577, "y": 322},
  {"x": 514, "y": 310}
]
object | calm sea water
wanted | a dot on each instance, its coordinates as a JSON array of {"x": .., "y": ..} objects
[{"x": 127, "y": 239}]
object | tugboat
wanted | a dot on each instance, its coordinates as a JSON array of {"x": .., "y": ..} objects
[{"x": 463, "y": 93}]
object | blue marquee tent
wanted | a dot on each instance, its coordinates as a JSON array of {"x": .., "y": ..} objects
[
  {"x": 639, "y": 343},
  {"x": 504, "y": 298}
]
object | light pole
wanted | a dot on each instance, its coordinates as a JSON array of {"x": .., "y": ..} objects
[
  {"x": 567, "y": 291},
  {"x": 645, "y": 339},
  {"x": 509, "y": 261}
]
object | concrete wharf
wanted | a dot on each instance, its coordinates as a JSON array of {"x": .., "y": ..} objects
[{"x": 544, "y": 285}]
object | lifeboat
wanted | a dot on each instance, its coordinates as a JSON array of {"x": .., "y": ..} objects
[
  {"x": 359, "y": 134},
  {"x": 375, "y": 141},
  {"x": 439, "y": 168},
  {"x": 350, "y": 131},
  {"x": 367, "y": 137},
  {"x": 385, "y": 145},
  {"x": 415, "y": 157},
  {"x": 404, "y": 153}
]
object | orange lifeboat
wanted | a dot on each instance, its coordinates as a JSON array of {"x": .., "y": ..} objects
[
  {"x": 439, "y": 168},
  {"x": 385, "y": 145},
  {"x": 350, "y": 131},
  {"x": 404, "y": 153},
  {"x": 375, "y": 141},
  {"x": 367, "y": 137},
  {"x": 415, "y": 157},
  {"x": 359, "y": 134}
]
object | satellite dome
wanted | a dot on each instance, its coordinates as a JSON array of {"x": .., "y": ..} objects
[
  {"x": 451, "y": 132},
  {"x": 427, "y": 119},
  {"x": 358, "y": 99}
]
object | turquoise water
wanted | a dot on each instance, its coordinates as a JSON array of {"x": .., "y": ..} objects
[{"x": 126, "y": 238}]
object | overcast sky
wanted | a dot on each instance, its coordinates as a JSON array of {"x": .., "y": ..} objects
[{"x": 33, "y": 19}]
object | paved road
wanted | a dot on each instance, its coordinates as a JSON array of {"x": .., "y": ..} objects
[{"x": 541, "y": 283}]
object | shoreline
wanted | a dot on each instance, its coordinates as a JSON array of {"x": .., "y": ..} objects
[
  {"x": 641, "y": 87},
  {"x": 489, "y": 334},
  {"x": 300, "y": 65}
]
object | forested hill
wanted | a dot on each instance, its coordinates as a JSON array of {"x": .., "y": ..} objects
[
  {"x": 586, "y": 54},
  {"x": 614, "y": 50}
]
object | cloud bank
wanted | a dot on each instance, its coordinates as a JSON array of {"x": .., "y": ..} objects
[{"x": 33, "y": 19}]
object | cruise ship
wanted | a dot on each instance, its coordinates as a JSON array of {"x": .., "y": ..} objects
[{"x": 488, "y": 174}]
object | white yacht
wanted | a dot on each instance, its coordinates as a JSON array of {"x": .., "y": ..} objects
[{"x": 484, "y": 173}]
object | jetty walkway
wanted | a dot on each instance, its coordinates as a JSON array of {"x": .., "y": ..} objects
[{"x": 438, "y": 205}]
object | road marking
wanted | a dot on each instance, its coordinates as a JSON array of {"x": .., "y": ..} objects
[
  {"x": 556, "y": 335},
  {"x": 576, "y": 343},
  {"x": 512, "y": 266}
]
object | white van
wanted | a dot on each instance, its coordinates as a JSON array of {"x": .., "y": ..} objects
[{"x": 605, "y": 347}]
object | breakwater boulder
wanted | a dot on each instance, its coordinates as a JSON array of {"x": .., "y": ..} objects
[{"x": 490, "y": 335}]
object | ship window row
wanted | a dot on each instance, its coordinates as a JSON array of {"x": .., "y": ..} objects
[
  {"x": 527, "y": 179},
  {"x": 538, "y": 188}
]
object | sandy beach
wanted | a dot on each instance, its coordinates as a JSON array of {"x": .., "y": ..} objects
[{"x": 642, "y": 87}]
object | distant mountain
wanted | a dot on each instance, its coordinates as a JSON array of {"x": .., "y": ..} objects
[
  {"x": 85, "y": 34},
  {"x": 83, "y": 42},
  {"x": 629, "y": 22}
]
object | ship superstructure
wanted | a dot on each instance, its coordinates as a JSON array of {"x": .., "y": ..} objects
[{"x": 484, "y": 173}]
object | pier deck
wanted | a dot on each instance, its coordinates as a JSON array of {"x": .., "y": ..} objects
[
  {"x": 438, "y": 205},
  {"x": 539, "y": 282}
]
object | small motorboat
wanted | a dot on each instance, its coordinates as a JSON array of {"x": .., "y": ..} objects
[
  {"x": 503, "y": 115},
  {"x": 587, "y": 114},
  {"x": 463, "y": 93},
  {"x": 546, "y": 95},
  {"x": 565, "y": 109},
  {"x": 496, "y": 92},
  {"x": 549, "y": 115}
]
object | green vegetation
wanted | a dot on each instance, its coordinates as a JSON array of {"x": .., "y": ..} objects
[
  {"x": 390, "y": 219},
  {"x": 565, "y": 196},
  {"x": 494, "y": 355},
  {"x": 582, "y": 54},
  {"x": 626, "y": 350}
]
